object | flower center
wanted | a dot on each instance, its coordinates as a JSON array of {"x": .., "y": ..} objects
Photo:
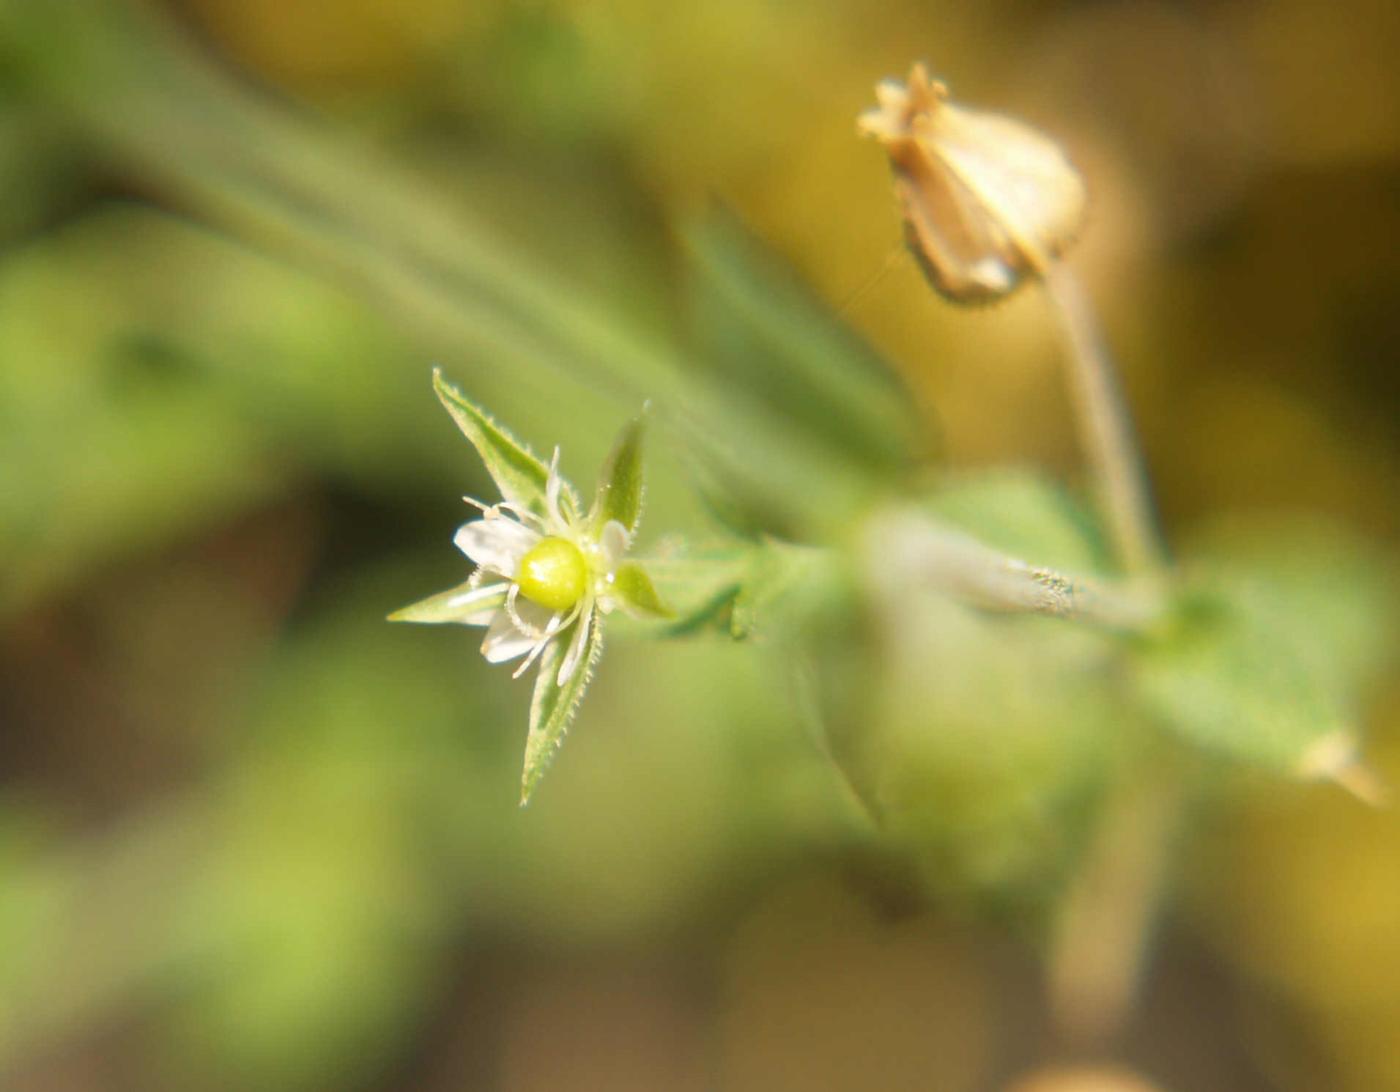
[{"x": 553, "y": 574}]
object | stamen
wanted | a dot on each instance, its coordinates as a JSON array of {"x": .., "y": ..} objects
[
  {"x": 574, "y": 653},
  {"x": 520, "y": 623},
  {"x": 524, "y": 515},
  {"x": 539, "y": 646}
]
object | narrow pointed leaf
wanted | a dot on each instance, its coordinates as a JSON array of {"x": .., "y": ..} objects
[
  {"x": 1024, "y": 514},
  {"x": 773, "y": 338},
  {"x": 553, "y": 706},
  {"x": 620, "y": 484},
  {"x": 699, "y": 584},
  {"x": 633, "y": 586},
  {"x": 783, "y": 586},
  {"x": 467, "y": 604},
  {"x": 1283, "y": 631},
  {"x": 517, "y": 472},
  {"x": 1233, "y": 677}
]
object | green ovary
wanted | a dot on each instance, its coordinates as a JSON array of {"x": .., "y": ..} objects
[{"x": 553, "y": 574}]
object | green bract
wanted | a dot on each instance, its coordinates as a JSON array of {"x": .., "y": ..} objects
[
  {"x": 620, "y": 484},
  {"x": 520, "y": 476}
]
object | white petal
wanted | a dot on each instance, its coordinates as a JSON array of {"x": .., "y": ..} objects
[
  {"x": 518, "y": 628},
  {"x": 529, "y": 617},
  {"x": 613, "y": 542},
  {"x": 574, "y": 655},
  {"x": 505, "y": 640},
  {"x": 496, "y": 543}
]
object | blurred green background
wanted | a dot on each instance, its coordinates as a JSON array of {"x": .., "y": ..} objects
[{"x": 251, "y": 836}]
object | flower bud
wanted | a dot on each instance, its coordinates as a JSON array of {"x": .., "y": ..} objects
[{"x": 986, "y": 200}]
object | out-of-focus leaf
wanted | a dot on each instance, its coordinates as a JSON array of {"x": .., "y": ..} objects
[
  {"x": 983, "y": 740},
  {"x": 109, "y": 442},
  {"x": 310, "y": 923},
  {"x": 979, "y": 741},
  {"x": 634, "y": 587},
  {"x": 517, "y": 472},
  {"x": 553, "y": 705},
  {"x": 1233, "y": 676},
  {"x": 784, "y": 586},
  {"x": 770, "y": 336},
  {"x": 1273, "y": 643},
  {"x": 621, "y": 483},
  {"x": 40, "y": 170},
  {"x": 739, "y": 588},
  {"x": 159, "y": 378},
  {"x": 1024, "y": 514},
  {"x": 1338, "y": 587},
  {"x": 699, "y": 583},
  {"x": 137, "y": 86}
]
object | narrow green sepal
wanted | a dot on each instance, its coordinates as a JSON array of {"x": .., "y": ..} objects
[
  {"x": 620, "y": 483},
  {"x": 518, "y": 473},
  {"x": 553, "y": 706},
  {"x": 634, "y": 589},
  {"x": 467, "y": 604}
]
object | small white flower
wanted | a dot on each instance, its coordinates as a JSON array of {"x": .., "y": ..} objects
[
  {"x": 545, "y": 572},
  {"x": 538, "y": 576}
]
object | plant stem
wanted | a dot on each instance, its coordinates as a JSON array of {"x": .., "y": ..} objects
[
  {"x": 1105, "y": 427},
  {"x": 1107, "y": 918},
  {"x": 927, "y": 553},
  {"x": 1108, "y": 915}
]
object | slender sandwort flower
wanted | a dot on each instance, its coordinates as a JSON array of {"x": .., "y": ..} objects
[{"x": 546, "y": 572}]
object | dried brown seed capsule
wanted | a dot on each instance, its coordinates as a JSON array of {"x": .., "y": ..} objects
[{"x": 986, "y": 200}]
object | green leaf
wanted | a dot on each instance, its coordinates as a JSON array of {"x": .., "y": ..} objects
[
  {"x": 978, "y": 741},
  {"x": 553, "y": 706},
  {"x": 1233, "y": 677},
  {"x": 736, "y": 588},
  {"x": 716, "y": 612},
  {"x": 1023, "y": 514},
  {"x": 1338, "y": 590},
  {"x": 633, "y": 586},
  {"x": 620, "y": 483},
  {"x": 1273, "y": 645},
  {"x": 467, "y": 603},
  {"x": 778, "y": 342},
  {"x": 699, "y": 584},
  {"x": 783, "y": 586},
  {"x": 518, "y": 473}
]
